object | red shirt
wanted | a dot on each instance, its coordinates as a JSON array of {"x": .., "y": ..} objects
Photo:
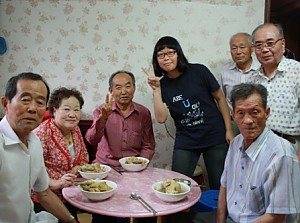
[
  {"x": 56, "y": 153},
  {"x": 122, "y": 136}
]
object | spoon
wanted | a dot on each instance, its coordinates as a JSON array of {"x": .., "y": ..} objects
[
  {"x": 137, "y": 197},
  {"x": 188, "y": 182}
]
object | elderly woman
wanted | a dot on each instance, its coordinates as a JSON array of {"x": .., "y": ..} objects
[{"x": 63, "y": 144}]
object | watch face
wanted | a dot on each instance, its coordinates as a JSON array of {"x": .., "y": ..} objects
[{"x": 3, "y": 47}]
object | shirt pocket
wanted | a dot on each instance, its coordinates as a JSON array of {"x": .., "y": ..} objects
[
  {"x": 256, "y": 200},
  {"x": 135, "y": 139}
]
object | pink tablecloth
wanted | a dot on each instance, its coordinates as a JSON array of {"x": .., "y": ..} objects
[{"x": 120, "y": 205}]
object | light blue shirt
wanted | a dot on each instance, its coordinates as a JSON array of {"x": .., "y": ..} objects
[{"x": 265, "y": 178}]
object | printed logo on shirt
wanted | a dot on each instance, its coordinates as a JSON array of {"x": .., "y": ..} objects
[{"x": 194, "y": 116}]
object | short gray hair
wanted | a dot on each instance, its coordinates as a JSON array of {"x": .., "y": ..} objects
[
  {"x": 277, "y": 26},
  {"x": 241, "y": 33},
  {"x": 119, "y": 72}
]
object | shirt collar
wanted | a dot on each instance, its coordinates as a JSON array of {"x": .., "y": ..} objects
[
  {"x": 280, "y": 68},
  {"x": 254, "y": 66},
  {"x": 255, "y": 148},
  {"x": 9, "y": 135},
  {"x": 282, "y": 65},
  {"x": 133, "y": 107}
]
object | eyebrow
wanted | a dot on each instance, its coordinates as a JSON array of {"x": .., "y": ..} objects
[
  {"x": 24, "y": 94},
  {"x": 266, "y": 40},
  {"x": 129, "y": 82}
]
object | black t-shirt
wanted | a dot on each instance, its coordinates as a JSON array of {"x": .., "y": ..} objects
[{"x": 198, "y": 121}]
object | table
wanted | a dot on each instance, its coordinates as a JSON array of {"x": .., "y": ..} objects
[{"x": 120, "y": 205}]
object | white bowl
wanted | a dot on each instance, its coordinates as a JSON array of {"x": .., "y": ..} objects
[
  {"x": 133, "y": 167},
  {"x": 170, "y": 197},
  {"x": 91, "y": 176},
  {"x": 99, "y": 196}
]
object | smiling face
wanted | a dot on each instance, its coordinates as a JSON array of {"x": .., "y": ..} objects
[
  {"x": 251, "y": 117},
  {"x": 26, "y": 109},
  {"x": 122, "y": 89},
  {"x": 241, "y": 50},
  {"x": 167, "y": 60},
  {"x": 68, "y": 114},
  {"x": 269, "y": 56}
]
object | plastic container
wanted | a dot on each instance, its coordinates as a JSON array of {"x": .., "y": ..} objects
[{"x": 208, "y": 202}]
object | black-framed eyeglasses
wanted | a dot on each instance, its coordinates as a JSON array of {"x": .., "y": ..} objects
[
  {"x": 268, "y": 44},
  {"x": 170, "y": 53}
]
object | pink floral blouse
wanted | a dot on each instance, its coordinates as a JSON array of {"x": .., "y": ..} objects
[{"x": 58, "y": 160}]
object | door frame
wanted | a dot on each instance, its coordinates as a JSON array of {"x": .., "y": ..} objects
[{"x": 267, "y": 11}]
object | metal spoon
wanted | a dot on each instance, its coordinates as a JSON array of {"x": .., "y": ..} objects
[
  {"x": 137, "y": 197},
  {"x": 188, "y": 182}
]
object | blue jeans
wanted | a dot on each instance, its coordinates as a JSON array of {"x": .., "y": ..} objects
[{"x": 185, "y": 161}]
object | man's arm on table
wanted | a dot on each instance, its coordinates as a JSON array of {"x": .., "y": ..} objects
[{"x": 55, "y": 206}]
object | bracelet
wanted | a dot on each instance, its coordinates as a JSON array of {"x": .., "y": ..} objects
[{"x": 71, "y": 219}]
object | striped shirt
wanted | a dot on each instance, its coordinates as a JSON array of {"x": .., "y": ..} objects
[
  {"x": 231, "y": 75},
  {"x": 265, "y": 178}
]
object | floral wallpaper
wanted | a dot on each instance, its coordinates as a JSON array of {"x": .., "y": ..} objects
[{"x": 79, "y": 43}]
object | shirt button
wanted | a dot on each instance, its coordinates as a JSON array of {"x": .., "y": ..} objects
[
  {"x": 235, "y": 203},
  {"x": 243, "y": 167},
  {"x": 241, "y": 186}
]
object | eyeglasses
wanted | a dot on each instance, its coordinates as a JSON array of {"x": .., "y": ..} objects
[
  {"x": 170, "y": 53},
  {"x": 269, "y": 44}
]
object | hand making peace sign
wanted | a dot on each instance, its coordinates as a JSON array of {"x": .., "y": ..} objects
[
  {"x": 106, "y": 109},
  {"x": 153, "y": 81}
]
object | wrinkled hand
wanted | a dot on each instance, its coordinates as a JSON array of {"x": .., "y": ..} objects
[
  {"x": 75, "y": 170},
  {"x": 106, "y": 109},
  {"x": 153, "y": 81},
  {"x": 67, "y": 180}
]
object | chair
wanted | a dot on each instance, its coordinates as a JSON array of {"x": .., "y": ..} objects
[{"x": 207, "y": 203}]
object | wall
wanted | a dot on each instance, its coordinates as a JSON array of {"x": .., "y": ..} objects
[{"x": 81, "y": 42}]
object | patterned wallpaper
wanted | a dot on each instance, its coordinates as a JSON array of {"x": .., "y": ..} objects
[{"x": 81, "y": 42}]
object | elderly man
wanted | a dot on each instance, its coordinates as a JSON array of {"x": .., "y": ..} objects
[
  {"x": 22, "y": 166},
  {"x": 240, "y": 69},
  {"x": 261, "y": 177},
  {"x": 121, "y": 128},
  {"x": 281, "y": 77},
  {"x": 243, "y": 64}
]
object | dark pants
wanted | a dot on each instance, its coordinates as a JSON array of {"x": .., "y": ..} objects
[
  {"x": 73, "y": 210},
  {"x": 185, "y": 161},
  {"x": 109, "y": 219},
  {"x": 97, "y": 218}
]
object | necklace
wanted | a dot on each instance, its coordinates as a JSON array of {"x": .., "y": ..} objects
[{"x": 69, "y": 140}]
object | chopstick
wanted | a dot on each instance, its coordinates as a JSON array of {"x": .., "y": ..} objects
[
  {"x": 117, "y": 170},
  {"x": 148, "y": 205}
]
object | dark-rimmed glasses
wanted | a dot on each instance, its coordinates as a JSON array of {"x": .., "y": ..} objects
[
  {"x": 268, "y": 44},
  {"x": 170, "y": 53}
]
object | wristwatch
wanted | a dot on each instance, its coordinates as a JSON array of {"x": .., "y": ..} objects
[{"x": 71, "y": 219}]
